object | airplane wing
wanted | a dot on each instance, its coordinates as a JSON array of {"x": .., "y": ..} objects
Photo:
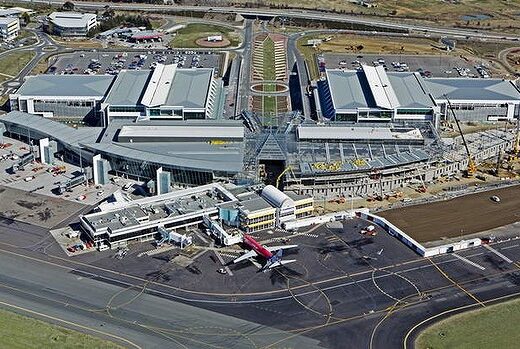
[
  {"x": 279, "y": 263},
  {"x": 245, "y": 256},
  {"x": 282, "y": 247}
]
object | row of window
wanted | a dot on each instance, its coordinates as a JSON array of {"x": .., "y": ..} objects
[
  {"x": 260, "y": 219},
  {"x": 136, "y": 109},
  {"x": 308, "y": 204}
]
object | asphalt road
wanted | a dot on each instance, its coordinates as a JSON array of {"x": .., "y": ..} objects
[
  {"x": 44, "y": 46},
  {"x": 245, "y": 69},
  {"x": 304, "y": 14}
]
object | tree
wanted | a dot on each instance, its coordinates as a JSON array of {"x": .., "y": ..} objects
[
  {"x": 68, "y": 6},
  {"x": 26, "y": 18}
]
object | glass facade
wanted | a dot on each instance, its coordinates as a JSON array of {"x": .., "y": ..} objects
[
  {"x": 127, "y": 109},
  {"x": 193, "y": 115},
  {"x": 78, "y": 109},
  {"x": 415, "y": 112},
  {"x": 148, "y": 170}
]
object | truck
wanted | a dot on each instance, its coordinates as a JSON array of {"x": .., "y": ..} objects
[{"x": 369, "y": 231}]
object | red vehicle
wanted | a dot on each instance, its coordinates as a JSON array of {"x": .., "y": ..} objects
[{"x": 265, "y": 253}]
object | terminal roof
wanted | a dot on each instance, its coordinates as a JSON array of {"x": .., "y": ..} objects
[
  {"x": 178, "y": 87},
  {"x": 40, "y": 125},
  {"x": 190, "y": 87},
  {"x": 354, "y": 133},
  {"x": 182, "y": 131},
  {"x": 195, "y": 155},
  {"x": 128, "y": 88},
  {"x": 410, "y": 89},
  {"x": 66, "y": 85},
  {"x": 382, "y": 91},
  {"x": 375, "y": 88},
  {"x": 472, "y": 89},
  {"x": 349, "y": 89}
]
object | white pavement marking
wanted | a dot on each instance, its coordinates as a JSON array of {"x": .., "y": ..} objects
[
  {"x": 464, "y": 259},
  {"x": 230, "y": 273},
  {"x": 508, "y": 247},
  {"x": 498, "y": 254}
]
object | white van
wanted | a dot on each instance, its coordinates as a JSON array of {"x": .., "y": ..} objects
[
  {"x": 102, "y": 247},
  {"x": 72, "y": 234}
]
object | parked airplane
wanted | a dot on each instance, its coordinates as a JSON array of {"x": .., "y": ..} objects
[{"x": 257, "y": 250}]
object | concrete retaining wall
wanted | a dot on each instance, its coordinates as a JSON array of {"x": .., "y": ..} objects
[{"x": 414, "y": 245}]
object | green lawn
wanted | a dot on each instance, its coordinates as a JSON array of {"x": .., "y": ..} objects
[
  {"x": 13, "y": 62},
  {"x": 21, "y": 332},
  {"x": 269, "y": 66},
  {"x": 496, "y": 326},
  {"x": 269, "y": 74},
  {"x": 309, "y": 53},
  {"x": 187, "y": 36},
  {"x": 270, "y": 105}
]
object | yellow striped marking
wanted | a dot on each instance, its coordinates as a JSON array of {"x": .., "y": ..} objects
[{"x": 456, "y": 283}]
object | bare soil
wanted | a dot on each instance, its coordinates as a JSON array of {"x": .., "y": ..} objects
[{"x": 464, "y": 215}]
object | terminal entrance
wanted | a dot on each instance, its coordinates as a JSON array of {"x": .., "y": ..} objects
[
  {"x": 272, "y": 158},
  {"x": 270, "y": 170}
]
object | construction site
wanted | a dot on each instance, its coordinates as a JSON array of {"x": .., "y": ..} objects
[
  {"x": 373, "y": 161},
  {"x": 461, "y": 216}
]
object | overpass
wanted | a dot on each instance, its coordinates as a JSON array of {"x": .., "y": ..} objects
[{"x": 290, "y": 13}]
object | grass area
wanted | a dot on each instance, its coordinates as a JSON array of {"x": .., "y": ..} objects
[
  {"x": 270, "y": 105},
  {"x": 493, "y": 327},
  {"x": 13, "y": 62},
  {"x": 484, "y": 49},
  {"x": 41, "y": 67},
  {"x": 78, "y": 43},
  {"x": 269, "y": 64},
  {"x": 157, "y": 22},
  {"x": 187, "y": 37},
  {"x": 18, "y": 331}
]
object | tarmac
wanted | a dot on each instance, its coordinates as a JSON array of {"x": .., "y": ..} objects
[{"x": 346, "y": 290}]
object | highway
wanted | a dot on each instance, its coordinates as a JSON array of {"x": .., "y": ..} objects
[
  {"x": 303, "y": 14},
  {"x": 295, "y": 57},
  {"x": 244, "y": 74}
]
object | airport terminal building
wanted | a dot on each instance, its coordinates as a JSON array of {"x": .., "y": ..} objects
[
  {"x": 139, "y": 220},
  {"x": 372, "y": 94},
  {"x": 165, "y": 93},
  {"x": 191, "y": 154},
  {"x": 64, "y": 97}
]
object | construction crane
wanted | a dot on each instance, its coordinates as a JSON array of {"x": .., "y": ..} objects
[
  {"x": 288, "y": 168},
  {"x": 472, "y": 167}
]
